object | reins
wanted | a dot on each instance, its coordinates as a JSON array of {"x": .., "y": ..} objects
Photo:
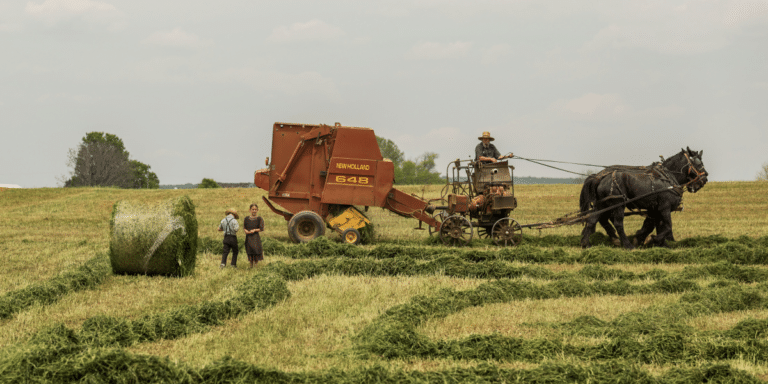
[
  {"x": 691, "y": 167},
  {"x": 539, "y": 162}
]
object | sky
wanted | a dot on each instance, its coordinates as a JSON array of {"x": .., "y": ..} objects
[{"x": 194, "y": 87}]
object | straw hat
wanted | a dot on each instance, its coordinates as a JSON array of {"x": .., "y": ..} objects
[
  {"x": 486, "y": 135},
  {"x": 233, "y": 212}
]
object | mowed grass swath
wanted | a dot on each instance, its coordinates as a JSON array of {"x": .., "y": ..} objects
[{"x": 401, "y": 309}]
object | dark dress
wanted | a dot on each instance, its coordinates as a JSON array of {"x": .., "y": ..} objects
[{"x": 253, "y": 241}]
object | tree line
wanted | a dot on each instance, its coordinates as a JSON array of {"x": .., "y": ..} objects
[
  {"x": 410, "y": 172},
  {"x": 102, "y": 160}
]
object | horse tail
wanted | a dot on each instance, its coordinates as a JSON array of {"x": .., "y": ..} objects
[{"x": 588, "y": 195}]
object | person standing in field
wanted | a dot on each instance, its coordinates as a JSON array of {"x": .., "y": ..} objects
[
  {"x": 229, "y": 226},
  {"x": 253, "y": 225}
]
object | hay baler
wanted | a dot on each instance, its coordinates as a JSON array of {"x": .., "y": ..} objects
[{"x": 319, "y": 173}]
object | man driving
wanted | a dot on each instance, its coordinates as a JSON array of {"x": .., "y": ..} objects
[{"x": 486, "y": 152}]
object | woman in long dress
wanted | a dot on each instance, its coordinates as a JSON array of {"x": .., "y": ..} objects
[{"x": 253, "y": 225}]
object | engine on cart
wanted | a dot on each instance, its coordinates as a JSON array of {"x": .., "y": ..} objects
[{"x": 479, "y": 196}]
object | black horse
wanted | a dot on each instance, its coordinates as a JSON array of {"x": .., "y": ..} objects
[{"x": 656, "y": 190}]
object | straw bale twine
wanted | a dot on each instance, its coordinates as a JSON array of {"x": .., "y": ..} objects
[{"x": 154, "y": 239}]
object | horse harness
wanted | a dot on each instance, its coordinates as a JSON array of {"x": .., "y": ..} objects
[
  {"x": 656, "y": 171},
  {"x": 692, "y": 169}
]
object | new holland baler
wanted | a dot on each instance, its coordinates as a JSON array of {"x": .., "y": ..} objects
[{"x": 318, "y": 174}]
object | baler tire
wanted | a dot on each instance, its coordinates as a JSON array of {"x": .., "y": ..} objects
[
  {"x": 351, "y": 236},
  {"x": 305, "y": 226}
]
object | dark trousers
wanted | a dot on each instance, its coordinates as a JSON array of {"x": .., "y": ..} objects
[{"x": 230, "y": 242}]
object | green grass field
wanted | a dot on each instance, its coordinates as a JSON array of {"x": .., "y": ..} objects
[{"x": 401, "y": 309}]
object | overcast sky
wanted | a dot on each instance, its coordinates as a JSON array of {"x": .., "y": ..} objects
[{"x": 193, "y": 87}]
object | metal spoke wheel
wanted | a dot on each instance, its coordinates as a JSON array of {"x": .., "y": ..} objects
[
  {"x": 439, "y": 216},
  {"x": 507, "y": 232},
  {"x": 456, "y": 230},
  {"x": 484, "y": 232}
]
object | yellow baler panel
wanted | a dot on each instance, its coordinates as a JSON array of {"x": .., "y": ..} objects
[{"x": 350, "y": 218}]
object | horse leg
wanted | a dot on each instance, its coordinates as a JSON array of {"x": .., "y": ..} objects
[
  {"x": 606, "y": 224},
  {"x": 618, "y": 222},
  {"x": 649, "y": 224},
  {"x": 671, "y": 236},
  {"x": 664, "y": 229},
  {"x": 589, "y": 229}
]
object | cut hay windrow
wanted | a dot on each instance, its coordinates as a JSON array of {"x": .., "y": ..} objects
[
  {"x": 735, "y": 251},
  {"x": 664, "y": 347},
  {"x": 63, "y": 355},
  {"x": 395, "y": 335},
  {"x": 726, "y": 273},
  {"x": 119, "y": 366},
  {"x": 87, "y": 276},
  {"x": 95, "y": 270},
  {"x": 156, "y": 239},
  {"x": 261, "y": 291},
  {"x": 58, "y": 353}
]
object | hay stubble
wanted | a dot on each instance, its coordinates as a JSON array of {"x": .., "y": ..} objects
[{"x": 312, "y": 330}]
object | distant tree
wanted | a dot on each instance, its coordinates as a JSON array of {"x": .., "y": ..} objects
[
  {"x": 101, "y": 160},
  {"x": 425, "y": 170},
  {"x": 390, "y": 151},
  {"x": 143, "y": 177},
  {"x": 208, "y": 183},
  {"x": 410, "y": 172},
  {"x": 98, "y": 164},
  {"x": 763, "y": 174}
]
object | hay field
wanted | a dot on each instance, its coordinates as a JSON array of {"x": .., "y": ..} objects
[{"x": 401, "y": 309}]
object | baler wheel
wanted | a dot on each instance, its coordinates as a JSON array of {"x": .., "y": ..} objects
[
  {"x": 305, "y": 226},
  {"x": 351, "y": 236}
]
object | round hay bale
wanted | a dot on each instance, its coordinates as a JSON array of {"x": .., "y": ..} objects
[{"x": 154, "y": 239}]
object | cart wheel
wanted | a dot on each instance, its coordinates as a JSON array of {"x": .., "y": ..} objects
[
  {"x": 305, "y": 226},
  {"x": 507, "y": 232},
  {"x": 440, "y": 216},
  {"x": 456, "y": 230},
  {"x": 351, "y": 236},
  {"x": 484, "y": 232}
]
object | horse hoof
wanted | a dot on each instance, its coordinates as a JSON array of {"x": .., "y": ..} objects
[{"x": 616, "y": 241}]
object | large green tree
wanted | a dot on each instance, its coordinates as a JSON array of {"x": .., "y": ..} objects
[
  {"x": 102, "y": 160},
  {"x": 410, "y": 172},
  {"x": 389, "y": 150}
]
